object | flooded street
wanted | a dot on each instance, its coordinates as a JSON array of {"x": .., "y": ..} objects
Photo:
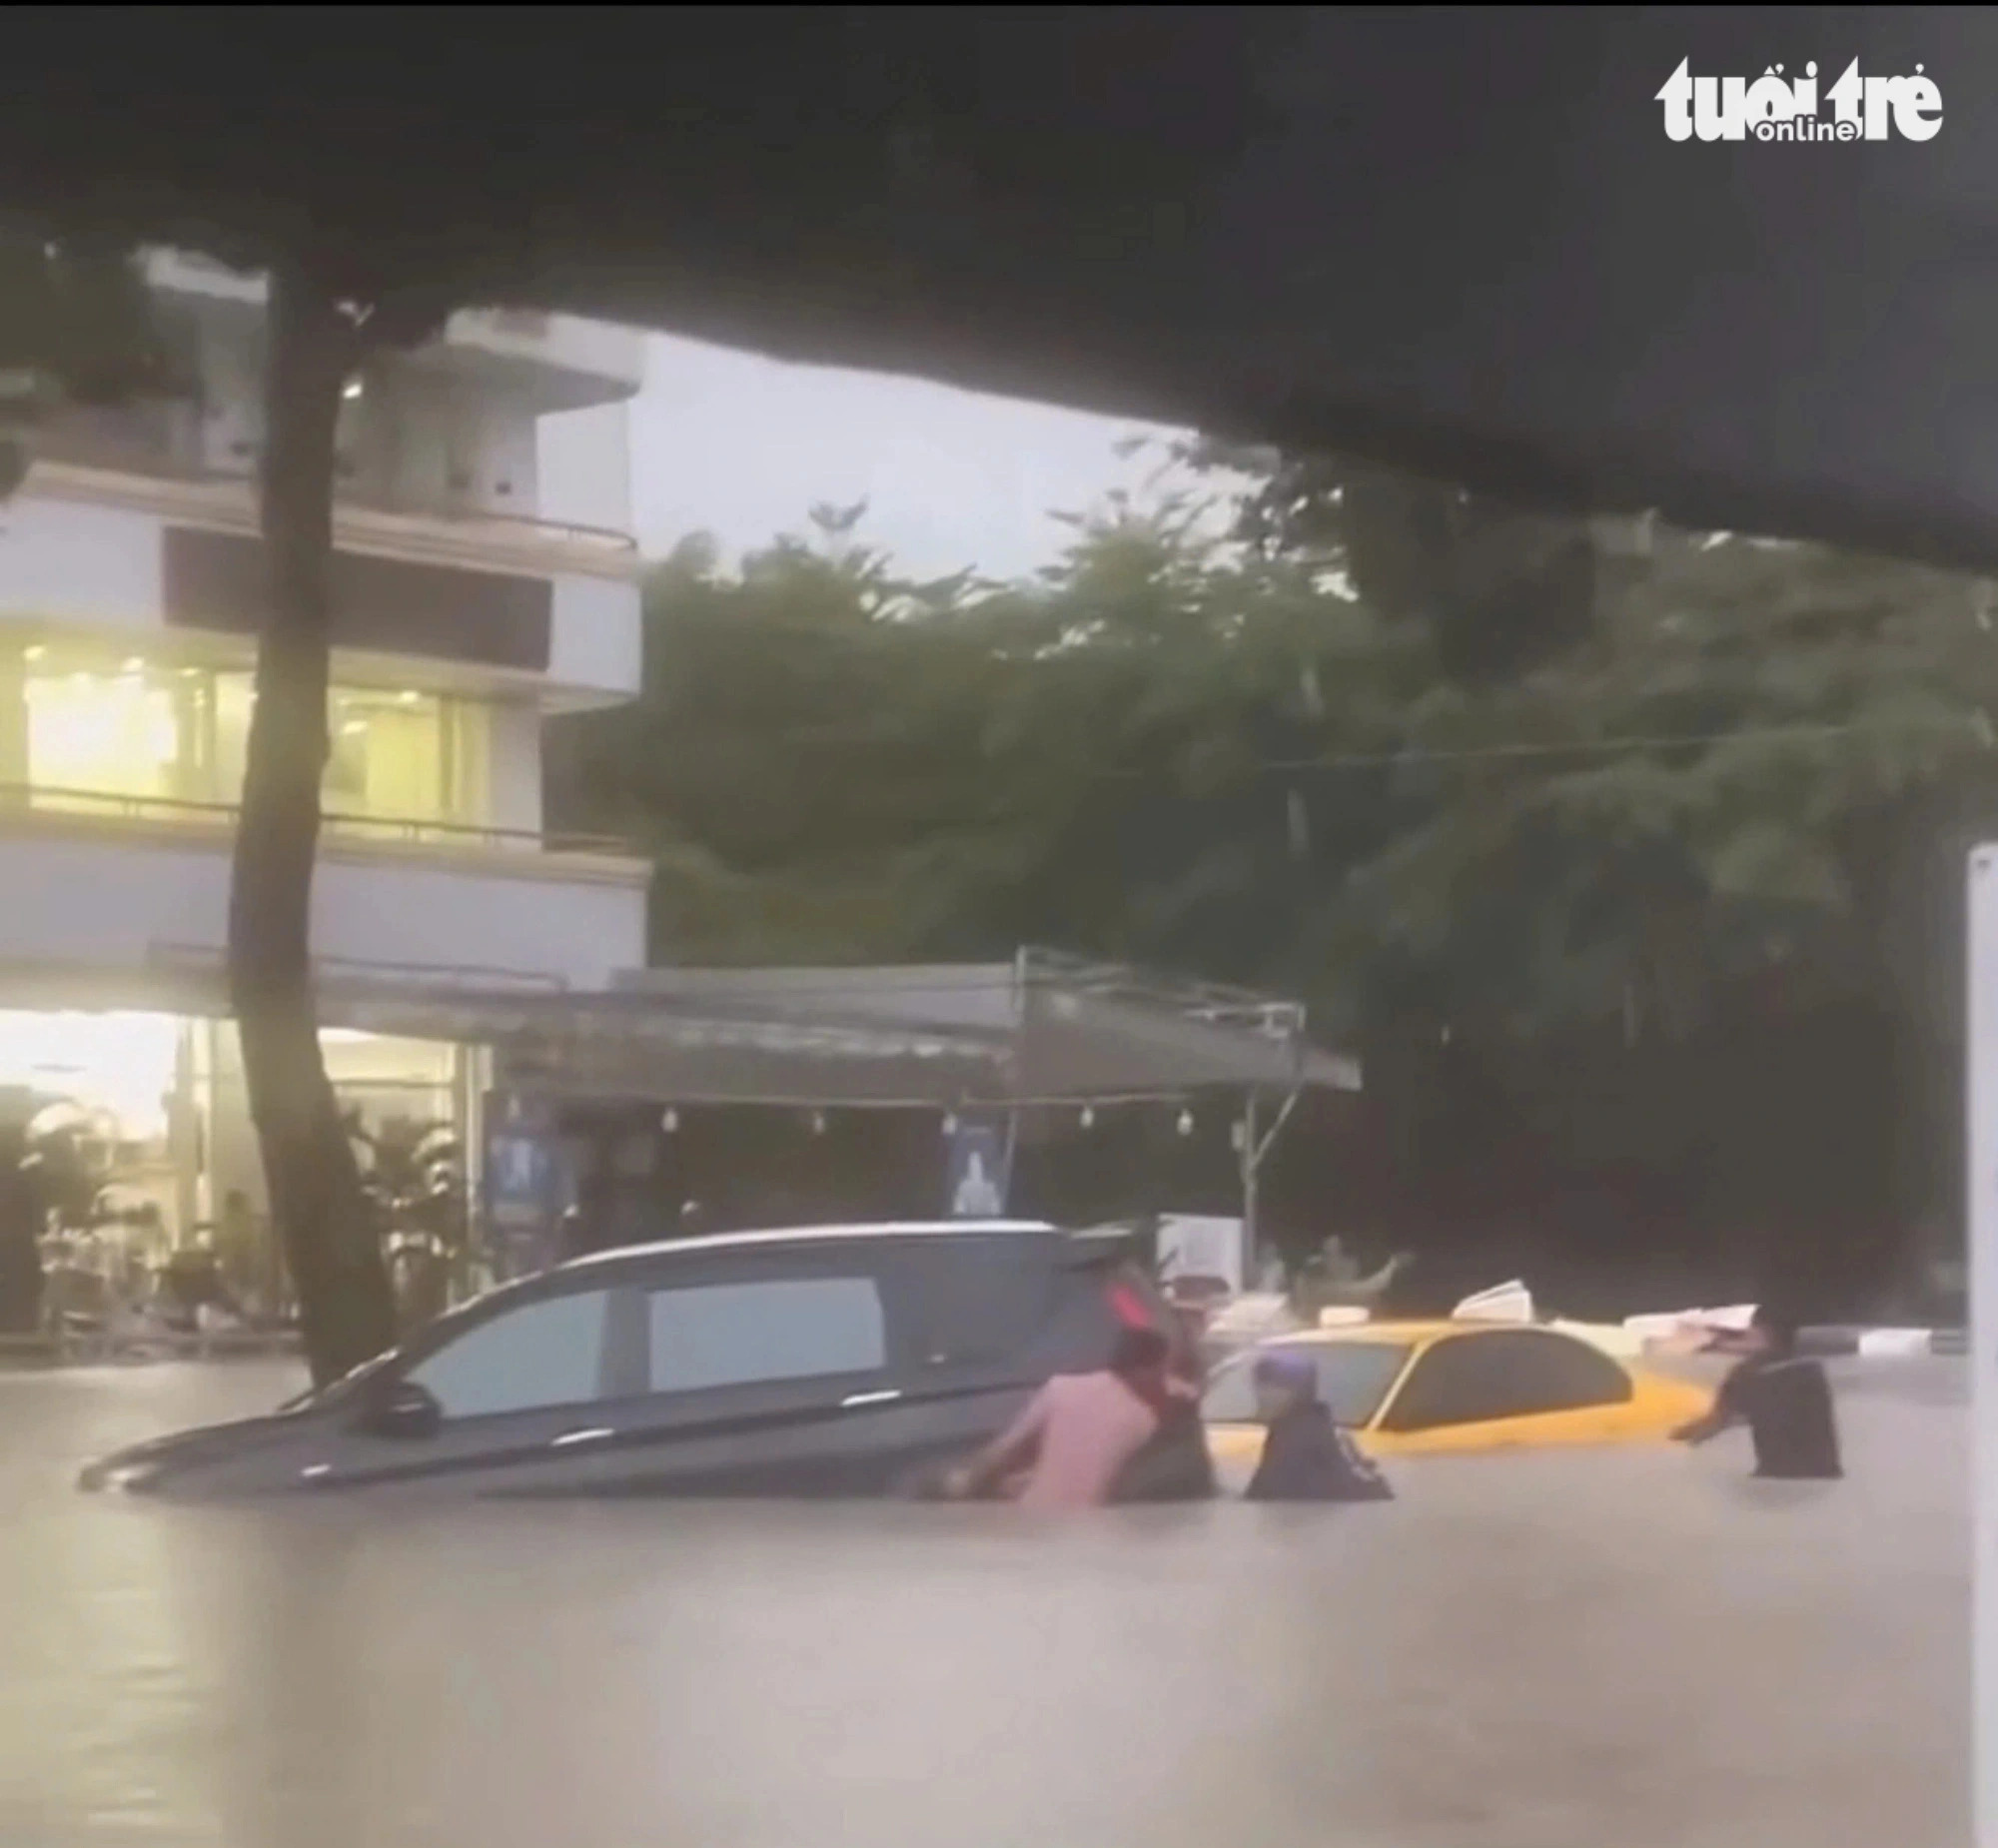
[{"x": 1523, "y": 1653}]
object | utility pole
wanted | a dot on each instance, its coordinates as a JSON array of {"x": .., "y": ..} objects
[{"x": 1981, "y": 1055}]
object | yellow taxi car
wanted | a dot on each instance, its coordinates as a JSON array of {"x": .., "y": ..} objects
[{"x": 1409, "y": 1389}]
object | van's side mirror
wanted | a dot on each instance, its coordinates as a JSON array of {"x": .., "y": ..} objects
[{"x": 402, "y": 1410}]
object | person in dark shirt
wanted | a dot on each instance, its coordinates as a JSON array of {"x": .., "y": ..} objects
[
  {"x": 1785, "y": 1401},
  {"x": 1306, "y": 1456},
  {"x": 1174, "y": 1464}
]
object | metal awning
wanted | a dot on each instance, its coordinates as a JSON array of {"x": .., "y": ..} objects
[{"x": 1042, "y": 1028}]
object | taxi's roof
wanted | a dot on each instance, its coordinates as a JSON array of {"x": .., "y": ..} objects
[{"x": 1394, "y": 1332}]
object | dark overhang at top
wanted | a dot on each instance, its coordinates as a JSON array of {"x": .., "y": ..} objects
[{"x": 1455, "y": 239}]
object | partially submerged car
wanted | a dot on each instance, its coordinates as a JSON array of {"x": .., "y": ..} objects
[
  {"x": 1419, "y": 1388},
  {"x": 829, "y": 1361}
]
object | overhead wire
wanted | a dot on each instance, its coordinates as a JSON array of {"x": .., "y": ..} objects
[{"x": 1976, "y": 723}]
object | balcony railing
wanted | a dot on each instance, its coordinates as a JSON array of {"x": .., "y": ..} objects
[
  {"x": 430, "y": 533},
  {"x": 165, "y": 815}
]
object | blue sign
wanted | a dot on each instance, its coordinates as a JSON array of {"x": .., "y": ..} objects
[
  {"x": 519, "y": 1173},
  {"x": 975, "y": 1184},
  {"x": 522, "y": 1166}
]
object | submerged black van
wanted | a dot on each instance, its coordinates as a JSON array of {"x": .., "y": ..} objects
[{"x": 828, "y": 1360}]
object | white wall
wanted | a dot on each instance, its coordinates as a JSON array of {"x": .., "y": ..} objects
[
  {"x": 516, "y": 769},
  {"x": 504, "y": 459},
  {"x": 92, "y": 566},
  {"x": 586, "y": 467},
  {"x": 597, "y": 635},
  {"x": 119, "y": 901}
]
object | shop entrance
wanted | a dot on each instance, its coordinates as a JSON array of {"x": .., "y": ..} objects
[{"x": 127, "y": 1152}]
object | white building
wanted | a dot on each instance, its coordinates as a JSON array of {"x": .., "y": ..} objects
[{"x": 130, "y": 591}]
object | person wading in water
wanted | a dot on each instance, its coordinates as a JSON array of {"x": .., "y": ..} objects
[
  {"x": 1067, "y": 1448},
  {"x": 1785, "y": 1398},
  {"x": 1306, "y": 1456}
]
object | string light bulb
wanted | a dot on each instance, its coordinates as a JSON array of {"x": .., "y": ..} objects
[{"x": 1186, "y": 1123}]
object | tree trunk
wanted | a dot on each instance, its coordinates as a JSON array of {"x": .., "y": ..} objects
[{"x": 317, "y": 1203}]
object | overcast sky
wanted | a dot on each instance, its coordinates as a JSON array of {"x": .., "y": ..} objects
[{"x": 742, "y": 447}]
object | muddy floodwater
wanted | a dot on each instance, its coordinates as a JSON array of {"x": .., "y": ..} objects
[{"x": 1634, "y": 1648}]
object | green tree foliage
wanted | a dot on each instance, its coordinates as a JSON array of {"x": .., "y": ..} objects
[
  {"x": 830, "y": 761},
  {"x": 1695, "y": 790},
  {"x": 1497, "y": 588},
  {"x": 1264, "y": 741},
  {"x": 1176, "y": 746}
]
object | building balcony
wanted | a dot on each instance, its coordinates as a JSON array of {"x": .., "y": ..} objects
[
  {"x": 556, "y": 361},
  {"x": 486, "y": 600},
  {"x": 465, "y": 539},
  {"x": 113, "y": 887}
]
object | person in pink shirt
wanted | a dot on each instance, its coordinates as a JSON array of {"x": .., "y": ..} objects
[{"x": 1077, "y": 1432}]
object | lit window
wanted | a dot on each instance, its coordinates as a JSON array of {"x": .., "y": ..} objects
[
  {"x": 388, "y": 756},
  {"x": 397, "y": 754},
  {"x": 123, "y": 1063},
  {"x": 102, "y": 734}
]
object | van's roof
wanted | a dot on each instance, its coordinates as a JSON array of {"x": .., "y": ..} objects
[{"x": 812, "y": 1234}]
